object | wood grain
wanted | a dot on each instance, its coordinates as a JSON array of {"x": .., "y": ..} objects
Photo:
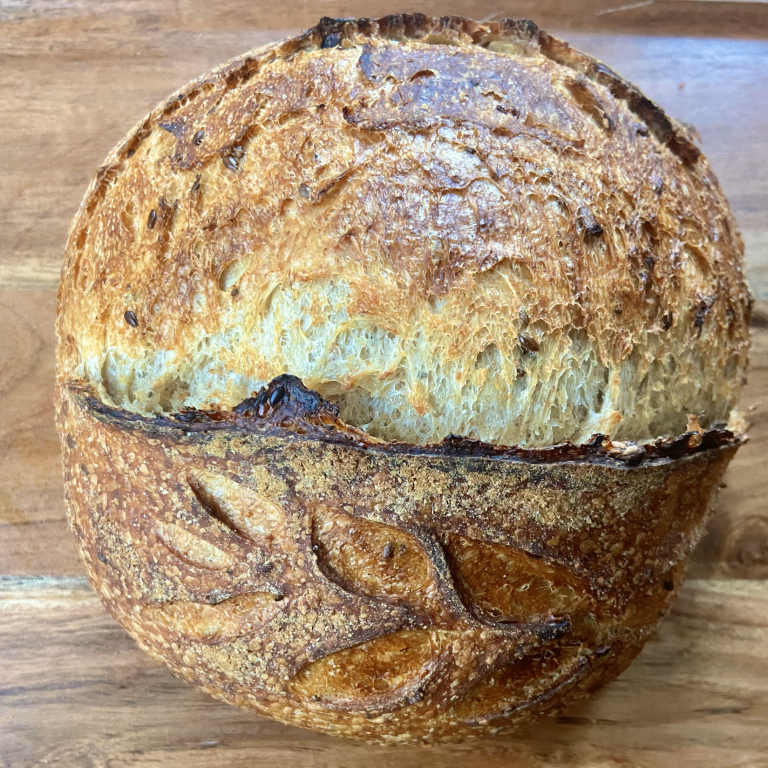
[
  {"x": 33, "y": 535},
  {"x": 74, "y": 689},
  {"x": 77, "y": 693}
]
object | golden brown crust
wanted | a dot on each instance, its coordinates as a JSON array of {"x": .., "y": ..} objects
[
  {"x": 288, "y": 563},
  {"x": 371, "y": 593},
  {"x": 503, "y": 172}
]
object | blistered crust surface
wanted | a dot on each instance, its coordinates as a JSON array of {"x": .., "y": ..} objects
[{"x": 447, "y": 227}]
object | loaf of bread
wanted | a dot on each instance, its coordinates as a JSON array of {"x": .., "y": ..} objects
[{"x": 394, "y": 370}]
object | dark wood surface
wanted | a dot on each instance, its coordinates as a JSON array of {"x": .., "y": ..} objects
[{"x": 74, "y": 690}]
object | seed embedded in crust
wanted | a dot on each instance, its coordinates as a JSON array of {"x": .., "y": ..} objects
[
  {"x": 131, "y": 319},
  {"x": 277, "y": 396},
  {"x": 591, "y": 226},
  {"x": 331, "y": 41},
  {"x": 528, "y": 343}
]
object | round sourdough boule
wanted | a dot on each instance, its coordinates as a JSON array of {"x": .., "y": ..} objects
[{"x": 397, "y": 231}]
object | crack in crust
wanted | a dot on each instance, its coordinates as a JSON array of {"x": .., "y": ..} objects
[{"x": 285, "y": 407}]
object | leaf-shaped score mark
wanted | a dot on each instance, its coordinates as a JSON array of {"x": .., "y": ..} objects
[
  {"x": 534, "y": 677},
  {"x": 231, "y": 618},
  {"x": 193, "y": 549},
  {"x": 382, "y": 674},
  {"x": 369, "y": 558},
  {"x": 239, "y": 507},
  {"x": 503, "y": 585}
]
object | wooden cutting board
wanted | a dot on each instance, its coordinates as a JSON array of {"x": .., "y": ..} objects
[{"x": 74, "y": 689}]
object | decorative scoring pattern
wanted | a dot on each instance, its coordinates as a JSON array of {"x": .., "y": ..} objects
[{"x": 386, "y": 597}]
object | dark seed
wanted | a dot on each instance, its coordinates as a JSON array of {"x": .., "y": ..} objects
[
  {"x": 528, "y": 343},
  {"x": 196, "y": 185},
  {"x": 669, "y": 586},
  {"x": 186, "y": 417},
  {"x": 647, "y": 280},
  {"x": 303, "y": 190},
  {"x": 536, "y": 549},
  {"x": 555, "y": 630},
  {"x": 234, "y": 292},
  {"x": 591, "y": 226},
  {"x": 331, "y": 41},
  {"x": 278, "y": 598},
  {"x": 230, "y": 162},
  {"x": 131, "y": 319},
  {"x": 702, "y": 311},
  {"x": 595, "y": 230},
  {"x": 640, "y": 129},
  {"x": 151, "y": 219},
  {"x": 349, "y": 116},
  {"x": 277, "y": 396},
  {"x": 101, "y": 556},
  {"x": 197, "y": 139},
  {"x": 389, "y": 550},
  {"x": 666, "y": 321},
  {"x": 658, "y": 184}
]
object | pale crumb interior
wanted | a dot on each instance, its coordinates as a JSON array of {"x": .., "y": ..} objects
[{"x": 422, "y": 383}]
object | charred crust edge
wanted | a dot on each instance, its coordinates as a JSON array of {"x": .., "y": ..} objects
[{"x": 286, "y": 409}]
